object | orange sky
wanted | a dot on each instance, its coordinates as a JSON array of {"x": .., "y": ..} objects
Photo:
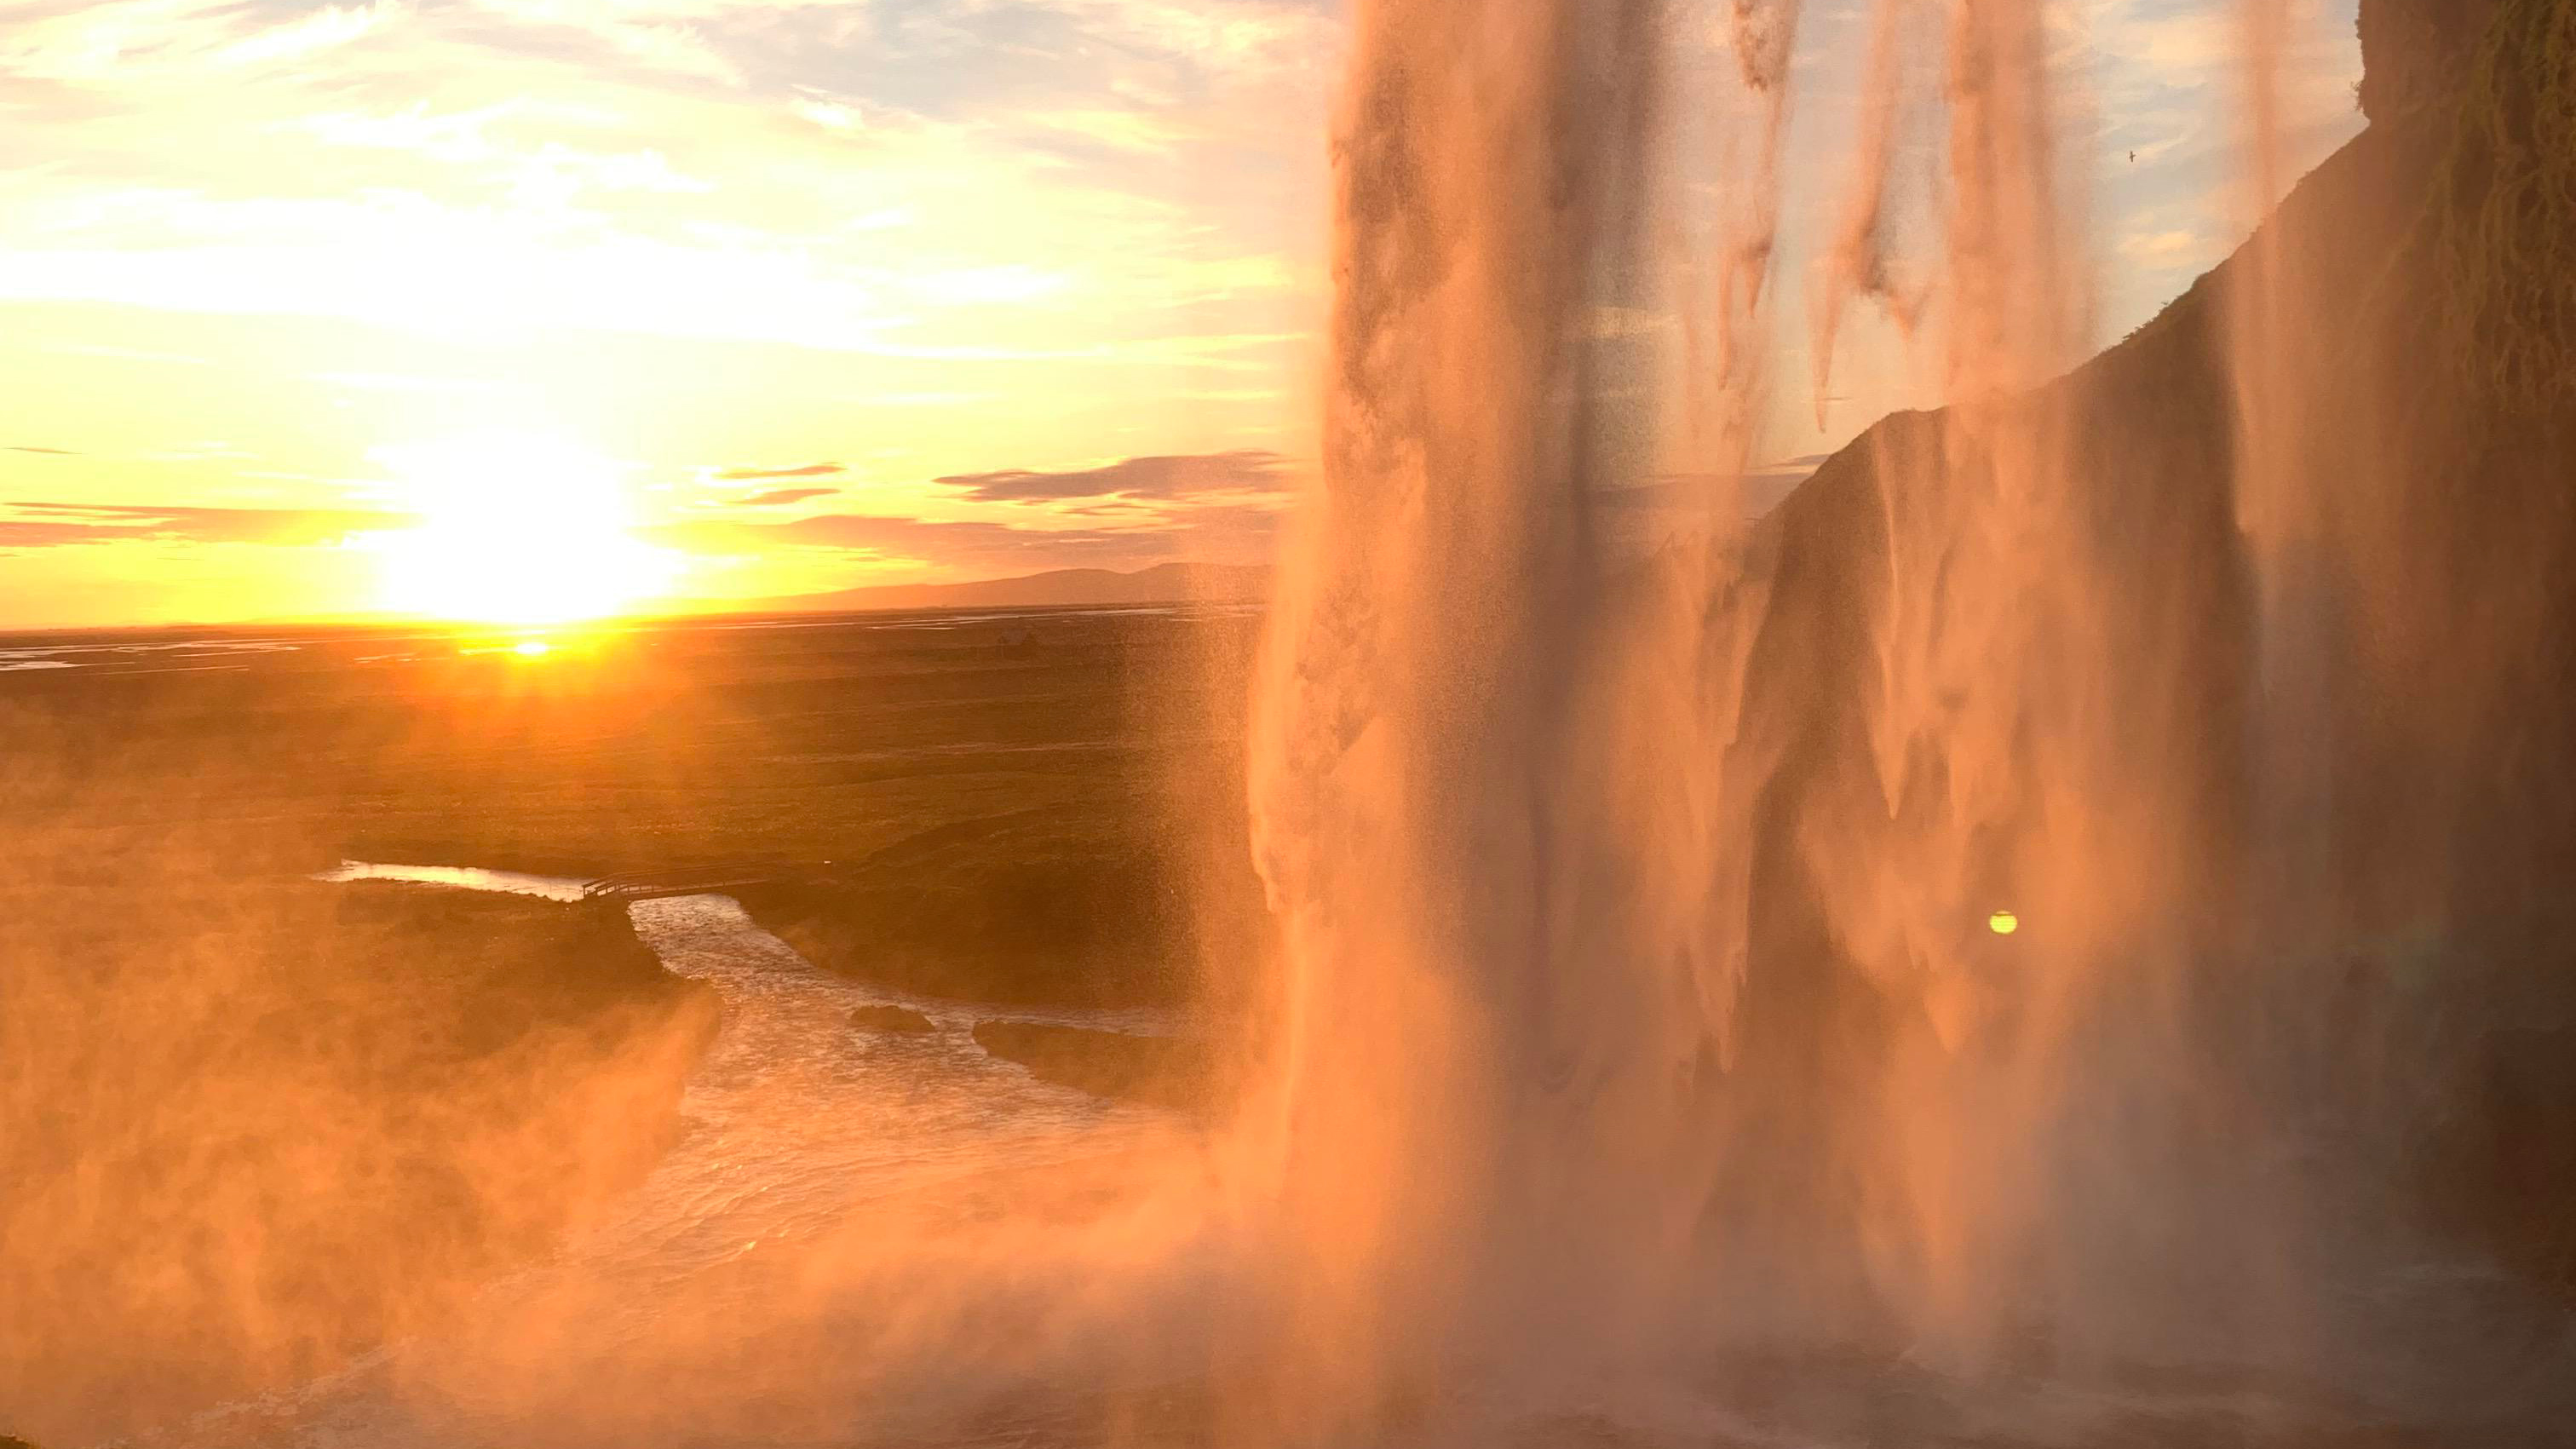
[{"x": 536, "y": 307}]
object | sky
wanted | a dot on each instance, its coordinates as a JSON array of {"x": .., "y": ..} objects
[{"x": 530, "y": 308}]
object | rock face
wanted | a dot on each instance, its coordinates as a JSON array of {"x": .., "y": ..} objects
[
  {"x": 2429, "y": 993},
  {"x": 2412, "y": 50}
]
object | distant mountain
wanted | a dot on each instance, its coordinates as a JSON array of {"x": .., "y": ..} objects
[{"x": 1170, "y": 583}]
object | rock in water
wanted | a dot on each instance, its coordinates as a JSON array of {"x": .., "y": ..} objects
[{"x": 1160, "y": 1070}]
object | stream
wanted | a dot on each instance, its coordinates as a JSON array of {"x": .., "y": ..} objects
[{"x": 797, "y": 1131}]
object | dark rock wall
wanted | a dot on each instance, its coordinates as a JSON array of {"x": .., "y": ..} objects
[
  {"x": 2430, "y": 999},
  {"x": 2412, "y": 49}
]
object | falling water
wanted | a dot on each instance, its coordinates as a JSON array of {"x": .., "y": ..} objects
[
  {"x": 1649, "y": 987},
  {"x": 1466, "y": 830},
  {"x": 1427, "y": 693},
  {"x": 2280, "y": 517}
]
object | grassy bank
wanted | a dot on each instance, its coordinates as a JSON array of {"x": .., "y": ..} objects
[
  {"x": 248, "y": 1130},
  {"x": 1023, "y": 811},
  {"x": 1051, "y": 905},
  {"x": 251, "y": 1123},
  {"x": 1183, "y": 1075}
]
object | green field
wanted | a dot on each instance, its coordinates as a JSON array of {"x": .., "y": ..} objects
[
  {"x": 1030, "y": 807},
  {"x": 286, "y": 1118}
]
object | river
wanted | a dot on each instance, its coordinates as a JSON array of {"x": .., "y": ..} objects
[
  {"x": 823, "y": 1183},
  {"x": 864, "y": 1239}
]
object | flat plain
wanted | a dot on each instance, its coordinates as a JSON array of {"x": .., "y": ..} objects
[{"x": 1032, "y": 808}]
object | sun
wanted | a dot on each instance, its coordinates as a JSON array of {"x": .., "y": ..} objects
[{"x": 515, "y": 528}]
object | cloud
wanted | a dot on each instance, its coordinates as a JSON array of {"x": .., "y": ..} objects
[
  {"x": 57, "y": 525},
  {"x": 1197, "y": 508},
  {"x": 805, "y": 470},
  {"x": 671, "y": 45},
  {"x": 984, "y": 548},
  {"x": 50, "y": 452},
  {"x": 2170, "y": 248},
  {"x": 1161, "y": 478},
  {"x": 134, "y": 39},
  {"x": 951, "y": 539},
  {"x": 830, "y": 115},
  {"x": 965, "y": 542},
  {"x": 19, "y": 533},
  {"x": 132, "y": 354},
  {"x": 1135, "y": 132},
  {"x": 396, "y": 382},
  {"x": 777, "y": 497},
  {"x": 537, "y": 172},
  {"x": 323, "y": 29}
]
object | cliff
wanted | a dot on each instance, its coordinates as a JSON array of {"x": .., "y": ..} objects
[{"x": 2385, "y": 546}]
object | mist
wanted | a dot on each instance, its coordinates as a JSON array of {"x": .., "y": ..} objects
[
  {"x": 2055, "y": 934},
  {"x": 1934, "y": 923}
]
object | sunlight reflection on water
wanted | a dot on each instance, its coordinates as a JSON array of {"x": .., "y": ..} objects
[{"x": 463, "y": 877}]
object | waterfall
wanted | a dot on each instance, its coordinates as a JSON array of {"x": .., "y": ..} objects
[{"x": 1648, "y": 986}]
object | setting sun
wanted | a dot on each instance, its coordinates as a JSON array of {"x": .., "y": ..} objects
[{"x": 515, "y": 528}]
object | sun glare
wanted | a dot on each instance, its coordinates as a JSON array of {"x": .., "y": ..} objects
[{"x": 517, "y": 529}]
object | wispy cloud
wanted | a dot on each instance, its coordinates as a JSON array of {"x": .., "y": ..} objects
[
  {"x": 156, "y": 40},
  {"x": 780, "y": 497},
  {"x": 814, "y": 175},
  {"x": 332, "y": 25},
  {"x": 32, "y": 524},
  {"x": 803, "y": 470},
  {"x": 2174, "y": 247},
  {"x": 668, "y": 41},
  {"x": 982, "y": 547},
  {"x": 916, "y": 235},
  {"x": 1153, "y": 478},
  {"x": 133, "y": 354},
  {"x": 1211, "y": 507}
]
